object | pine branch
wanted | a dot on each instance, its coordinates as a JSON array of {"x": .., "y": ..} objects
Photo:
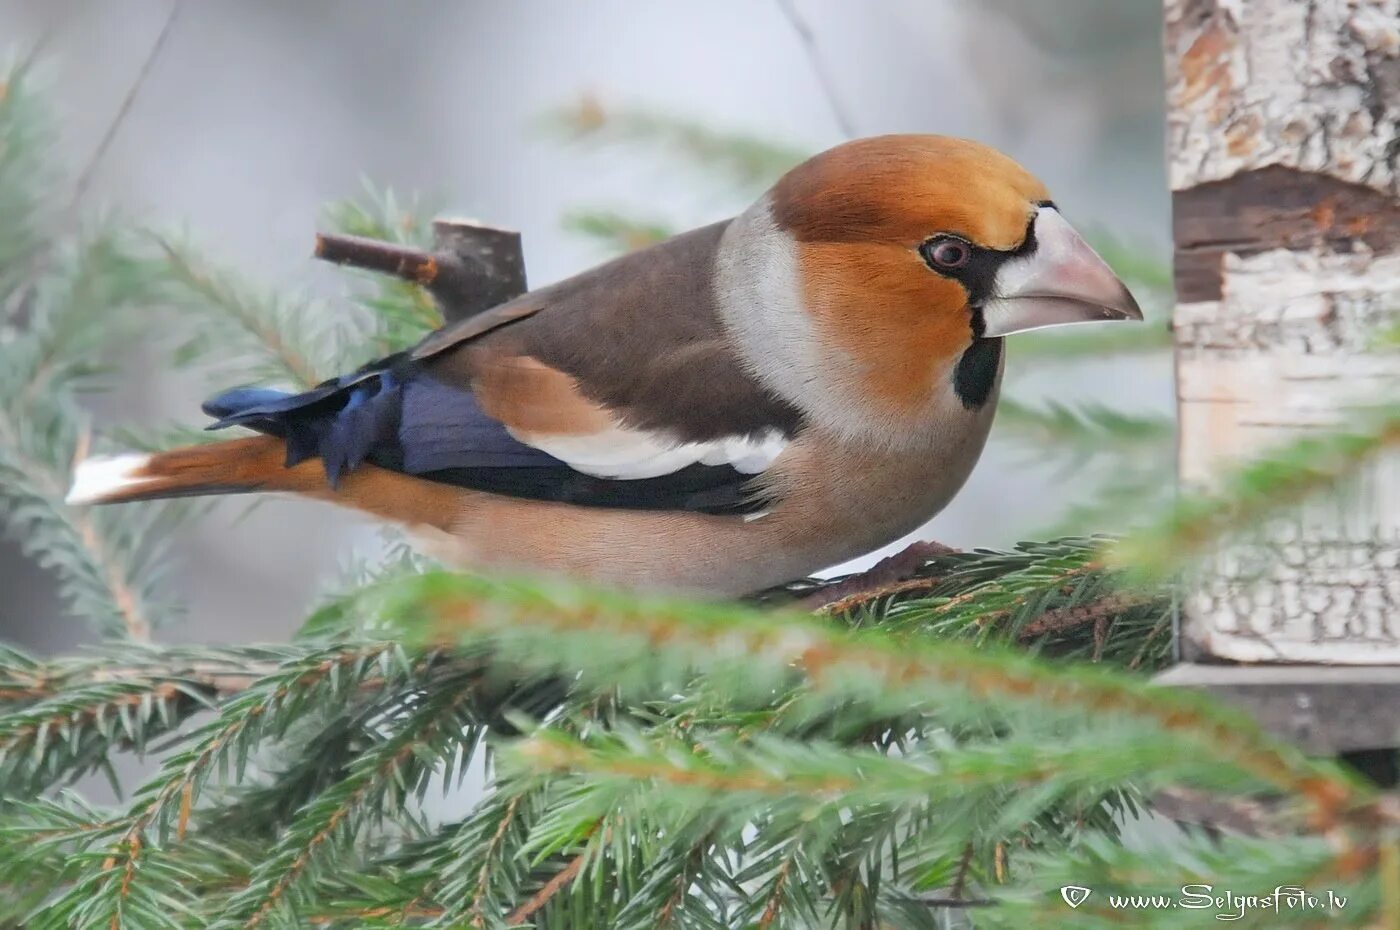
[
  {"x": 908, "y": 570},
  {"x": 988, "y": 596},
  {"x": 745, "y": 160},
  {"x": 342, "y": 614},
  {"x": 1074, "y": 343},
  {"x": 1062, "y": 619},
  {"x": 60, "y": 720},
  {"x": 64, "y": 737},
  {"x": 27, "y": 185},
  {"x": 1254, "y": 866},
  {"x": 770, "y": 779},
  {"x": 790, "y": 883},
  {"x": 1086, "y": 429},
  {"x": 219, "y": 671},
  {"x": 376, "y": 214},
  {"x": 105, "y": 566},
  {"x": 102, "y": 564},
  {"x": 272, "y": 334},
  {"x": 615, "y": 231},
  {"x": 163, "y": 805},
  {"x": 377, "y": 785},
  {"x": 652, "y": 642},
  {"x": 36, "y": 850},
  {"x": 490, "y": 857},
  {"x": 400, "y": 310},
  {"x": 1123, "y": 463},
  {"x": 692, "y": 765},
  {"x": 557, "y": 883},
  {"x": 773, "y": 901},
  {"x": 869, "y": 597},
  {"x": 464, "y": 874}
]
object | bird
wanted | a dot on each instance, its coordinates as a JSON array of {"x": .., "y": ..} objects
[{"x": 725, "y": 411}]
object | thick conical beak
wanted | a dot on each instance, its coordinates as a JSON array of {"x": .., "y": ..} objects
[{"x": 1062, "y": 281}]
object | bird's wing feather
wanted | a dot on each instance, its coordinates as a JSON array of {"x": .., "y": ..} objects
[
  {"x": 616, "y": 388},
  {"x": 547, "y": 409},
  {"x": 465, "y": 330}
]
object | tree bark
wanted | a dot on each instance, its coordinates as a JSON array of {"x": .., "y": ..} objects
[{"x": 1284, "y": 136}]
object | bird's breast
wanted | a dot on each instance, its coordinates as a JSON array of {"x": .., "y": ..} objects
[{"x": 841, "y": 499}]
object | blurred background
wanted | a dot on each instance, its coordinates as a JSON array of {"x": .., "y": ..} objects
[{"x": 256, "y": 113}]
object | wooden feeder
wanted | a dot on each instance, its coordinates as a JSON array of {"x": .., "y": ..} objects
[{"x": 1284, "y": 160}]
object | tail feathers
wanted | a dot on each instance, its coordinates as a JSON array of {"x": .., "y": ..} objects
[
  {"x": 343, "y": 422},
  {"x": 259, "y": 463},
  {"x": 105, "y": 478},
  {"x": 236, "y": 466},
  {"x": 248, "y": 405}
]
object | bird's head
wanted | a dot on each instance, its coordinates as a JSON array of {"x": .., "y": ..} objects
[{"x": 908, "y": 251}]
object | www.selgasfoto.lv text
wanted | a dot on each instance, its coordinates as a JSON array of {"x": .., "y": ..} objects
[{"x": 1227, "y": 905}]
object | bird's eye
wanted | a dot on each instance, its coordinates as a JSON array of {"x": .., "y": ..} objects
[{"x": 944, "y": 253}]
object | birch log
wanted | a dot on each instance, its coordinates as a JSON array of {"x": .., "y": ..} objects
[{"x": 1284, "y": 136}]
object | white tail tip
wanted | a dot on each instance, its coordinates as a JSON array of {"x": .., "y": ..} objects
[{"x": 103, "y": 477}]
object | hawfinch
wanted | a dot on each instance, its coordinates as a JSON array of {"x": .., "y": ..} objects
[{"x": 725, "y": 411}]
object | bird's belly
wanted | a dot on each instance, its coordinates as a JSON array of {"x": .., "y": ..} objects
[
  {"x": 837, "y": 503},
  {"x": 689, "y": 553}
]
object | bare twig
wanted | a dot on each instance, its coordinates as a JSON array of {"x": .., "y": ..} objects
[
  {"x": 80, "y": 186},
  {"x": 402, "y": 261},
  {"x": 809, "y": 45},
  {"x": 17, "y": 306},
  {"x": 35, "y": 50},
  {"x": 483, "y": 266}
]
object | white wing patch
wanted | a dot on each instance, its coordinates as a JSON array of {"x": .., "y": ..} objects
[{"x": 621, "y": 453}]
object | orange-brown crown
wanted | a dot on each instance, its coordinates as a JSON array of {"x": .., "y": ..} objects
[
  {"x": 903, "y": 189},
  {"x": 858, "y": 214}
]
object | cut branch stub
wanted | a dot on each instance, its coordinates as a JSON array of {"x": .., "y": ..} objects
[
  {"x": 471, "y": 269},
  {"x": 479, "y": 267}
]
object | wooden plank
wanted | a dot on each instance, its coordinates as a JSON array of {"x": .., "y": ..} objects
[{"x": 1324, "y": 709}]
